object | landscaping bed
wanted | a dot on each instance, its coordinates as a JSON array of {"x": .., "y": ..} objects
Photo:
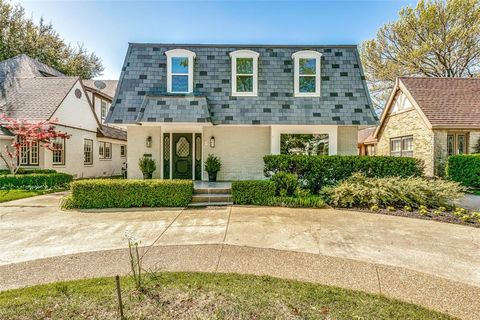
[{"x": 203, "y": 296}]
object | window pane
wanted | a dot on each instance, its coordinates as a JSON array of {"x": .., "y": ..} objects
[
  {"x": 180, "y": 65},
  {"x": 306, "y": 144},
  {"x": 244, "y": 65},
  {"x": 450, "y": 146},
  {"x": 103, "y": 109},
  {"x": 408, "y": 144},
  {"x": 244, "y": 83},
  {"x": 307, "y": 66},
  {"x": 307, "y": 84},
  {"x": 461, "y": 144},
  {"x": 179, "y": 83}
]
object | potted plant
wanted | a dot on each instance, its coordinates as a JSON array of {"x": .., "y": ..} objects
[
  {"x": 212, "y": 166},
  {"x": 147, "y": 166}
]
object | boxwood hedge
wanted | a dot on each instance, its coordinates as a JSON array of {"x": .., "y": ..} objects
[
  {"x": 35, "y": 181},
  {"x": 257, "y": 192},
  {"x": 28, "y": 171},
  {"x": 108, "y": 193},
  {"x": 319, "y": 171},
  {"x": 464, "y": 169}
]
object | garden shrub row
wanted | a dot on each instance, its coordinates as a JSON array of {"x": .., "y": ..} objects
[
  {"x": 108, "y": 193},
  {"x": 28, "y": 171},
  {"x": 35, "y": 181},
  {"x": 464, "y": 169},
  {"x": 319, "y": 171},
  {"x": 256, "y": 192}
]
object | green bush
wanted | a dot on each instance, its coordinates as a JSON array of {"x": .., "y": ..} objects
[
  {"x": 464, "y": 169},
  {"x": 108, "y": 193},
  {"x": 318, "y": 171},
  {"x": 35, "y": 181},
  {"x": 360, "y": 191},
  {"x": 285, "y": 183},
  {"x": 29, "y": 171},
  {"x": 310, "y": 201},
  {"x": 258, "y": 192}
]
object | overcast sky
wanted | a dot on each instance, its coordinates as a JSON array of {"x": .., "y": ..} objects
[{"x": 106, "y": 27}]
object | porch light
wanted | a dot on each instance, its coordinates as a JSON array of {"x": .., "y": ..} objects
[
  {"x": 212, "y": 142},
  {"x": 149, "y": 142}
]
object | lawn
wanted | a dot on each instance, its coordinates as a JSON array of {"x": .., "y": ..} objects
[
  {"x": 9, "y": 195},
  {"x": 203, "y": 296}
]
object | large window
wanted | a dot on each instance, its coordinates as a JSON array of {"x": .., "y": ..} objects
[
  {"x": 307, "y": 144},
  {"x": 401, "y": 147},
  {"x": 28, "y": 153},
  {"x": 456, "y": 143},
  {"x": 87, "y": 151},
  {"x": 244, "y": 73},
  {"x": 105, "y": 150},
  {"x": 307, "y": 73},
  {"x": 180, "y": 71},
  {"x": 58, "y": 153}
]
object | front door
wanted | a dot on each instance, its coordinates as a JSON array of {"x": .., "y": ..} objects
[{"x": 182, "y": 156}]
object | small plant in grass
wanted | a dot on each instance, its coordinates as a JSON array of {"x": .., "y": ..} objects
[
  {"x": 459, "y": 212},
  {"x": 212, "y": 166},
  {"x": 135, "y": 261},
  {"x": 147, "y": 166}
]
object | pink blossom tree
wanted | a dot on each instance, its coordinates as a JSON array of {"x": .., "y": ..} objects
[{"x": 26, "y": 134}]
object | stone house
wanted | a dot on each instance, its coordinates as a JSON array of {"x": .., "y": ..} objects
[
  {"x": 33, "y": 91},
  {"x": 180, "y": 103},
  {"x": 430, "y": 119}
]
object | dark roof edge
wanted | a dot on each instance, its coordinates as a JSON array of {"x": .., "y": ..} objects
[{"x": 139, "y": 44}]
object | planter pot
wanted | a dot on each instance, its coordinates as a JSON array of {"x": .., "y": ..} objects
[
  {"x": 147, "y": 175},
  {"x": 212, "y": 176}
]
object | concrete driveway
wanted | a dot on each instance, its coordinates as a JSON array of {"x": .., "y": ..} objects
[{"x": 35, "y": 228}]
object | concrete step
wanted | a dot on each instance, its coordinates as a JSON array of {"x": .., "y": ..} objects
[
  {"x": 209, "y": 204},
  {"x": 203, "y": 197},
  {"x": 212, "y": 191}
]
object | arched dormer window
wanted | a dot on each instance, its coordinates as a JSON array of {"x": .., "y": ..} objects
[
  {"x": 244, "y": 73},
  {"x": 307, "y": 73},
  {"x": 180, "y": 71}
]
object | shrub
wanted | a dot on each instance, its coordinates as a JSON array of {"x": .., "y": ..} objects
[
  {"x": 285, "y": 183},
  {"x": 464, "y": 169},
  {"x": 258, "y": 192},
  {"x": 212, "y": 164},
  {"x": 147, "y": 166},
  {"x": 360, "y": 191},
  {"x": 319, "y": 171},
  {"x": 29, "y": 171},
  {"x": 35, "y": 181},
  {"x": 108, "y": 193},
  {"x": 310, "y": 201}
]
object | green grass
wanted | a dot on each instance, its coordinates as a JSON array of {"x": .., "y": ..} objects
[
  {"x": 474, "y": 191},
  {"x": 203, "y": 296},
  {"x": 9, "y": 195}
]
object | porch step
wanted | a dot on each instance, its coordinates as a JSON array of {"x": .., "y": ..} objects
[
  {"x": 211, "y": 194},
  {"x": 209, "y": 204},
  {"x": 212, "y": 197},
  {"x": 212, "y": 191}
]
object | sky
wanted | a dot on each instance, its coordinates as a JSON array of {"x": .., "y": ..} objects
[{"x": 106, "y": 27}]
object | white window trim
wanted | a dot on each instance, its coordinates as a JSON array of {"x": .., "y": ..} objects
[
  {"x": 177, "y": 53},
  {"x": 244, "y": 54},
  {"x": 306, "y": 54}
]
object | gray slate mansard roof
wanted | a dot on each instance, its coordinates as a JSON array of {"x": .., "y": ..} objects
[{"x": 344, "y": 95}]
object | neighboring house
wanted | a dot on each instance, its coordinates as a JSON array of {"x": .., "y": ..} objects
[
  {"x": 100, "y": 93},
  {"x": 366, "y": 142},
  {"x": 33, "y": 91},
  {"x": 430, "y": 119},
  {"x": 180, "y": 103}
]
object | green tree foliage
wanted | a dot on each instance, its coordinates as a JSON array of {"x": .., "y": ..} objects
[
  {"x": 19, "y": 34},
  {"x": 435, "y": 39}
]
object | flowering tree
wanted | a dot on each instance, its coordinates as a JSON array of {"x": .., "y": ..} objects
[{"x": 26, "y": 134}]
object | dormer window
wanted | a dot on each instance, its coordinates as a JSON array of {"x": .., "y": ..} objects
[
  {"x": 244, "y": 73},
  {"x": 180, "y": 71},
  {"x": 307, "y": 73}
]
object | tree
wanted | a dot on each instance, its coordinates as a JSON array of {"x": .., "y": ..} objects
[
  {"x": 435, "y": 39},
  {"x": 27, "y": 134},
  {"x": 19, "y": 34}
]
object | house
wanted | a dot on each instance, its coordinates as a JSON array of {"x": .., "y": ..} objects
[
  {"x": 33, "y": 91},
  {"x": 430, "y": 119},
  {"x": 100, "y": 93},
  {"x": 366, "y": 142},
  {"x": 180, "y": 103}
]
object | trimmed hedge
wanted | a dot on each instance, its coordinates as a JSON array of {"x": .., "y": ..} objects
[
  {"x": 29, "y": 171},
  {"x": 319, "y": 171},
  {"x": 35, "y": 181},
  {"x": 464, "y": 169},
  {"x": 257, "y": 192},
  {"x": 108, "y": 193}
]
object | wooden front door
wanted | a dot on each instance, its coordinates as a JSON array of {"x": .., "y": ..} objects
[{"x": 182, "y": 156}]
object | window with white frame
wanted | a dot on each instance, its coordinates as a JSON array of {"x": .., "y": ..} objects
[
  {"x": 180, "y": 71},
  {"x": 28, "y": 152},
  {"x": 244, "y": 72},
  {"x": 123, "y": 151},
  {"x": 306, "y": 73},
  {"x": 401, "y": 146},
  {"x": 103, "y": 108},
  {"x": 105, "y": 150},
  {"x": 58, "y": 151},
  {"x": 87, "y": 151}
]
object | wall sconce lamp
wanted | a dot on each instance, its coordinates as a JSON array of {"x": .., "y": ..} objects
[
  {"x": 212, "y": 142},
  {"x": 149, "y": 142}
]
